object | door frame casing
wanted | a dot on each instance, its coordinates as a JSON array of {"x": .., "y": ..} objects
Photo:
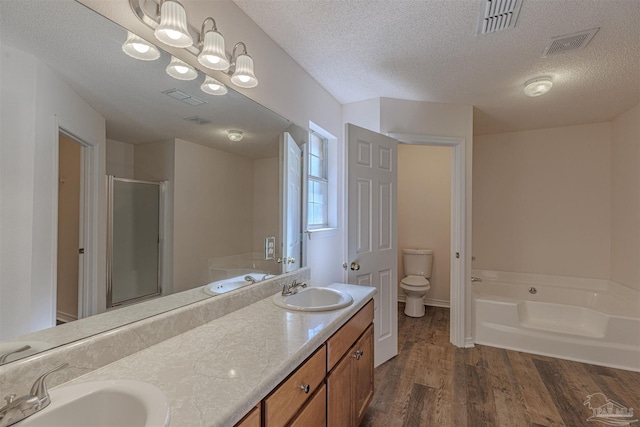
[
  {"x": 459, "y": 291},
  {"x": 89, "y": 219}
]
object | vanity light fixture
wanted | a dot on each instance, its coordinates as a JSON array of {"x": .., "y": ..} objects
[
  {"x": 243, "y": 76},
  {"x": 213, "y": 54},
  {"x": 538, "y": 86},
  {"x": 173, "y": 29},
  {"x": 181, "y": 70},
  {"x": 212, "y": 86},
  {"x": 168, "y": 19},
  {"x": 235, "y": 135},
  {"x": 138, "y": 48}
]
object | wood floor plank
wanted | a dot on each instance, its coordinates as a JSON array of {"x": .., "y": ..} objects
[
  {"x": 540, "y": 406},
  {"x": 480, "y": 400},
  {"x": 421, "y": 405},
  {"x": 570, "y": 409}
]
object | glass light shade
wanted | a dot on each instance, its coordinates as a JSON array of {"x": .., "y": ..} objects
[
  {"x": 213, "y": 87},
  {"x": 138, "y": 48},
  {"x": 235, "y": 135},
  {"x": 213, "y": 54},
  {"x": 173, "y": 25},
  {"x": 538, "y": 86},
  {"x": 243, "y": 76},
  {"x": 181, "y": 70}
]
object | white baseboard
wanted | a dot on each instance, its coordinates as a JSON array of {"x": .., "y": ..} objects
[
  {"x": 469, "y": 342},
  {"x": 429, "y": 301},
  {"x": 61, "y": 316}
]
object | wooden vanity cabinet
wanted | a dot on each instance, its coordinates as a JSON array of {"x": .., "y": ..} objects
[
  {"x": 293, "y": 393},
  {"x": 311, "y": 398},
  {"x": 350, "y": 384},
  {"x": 252, "y": 419}
]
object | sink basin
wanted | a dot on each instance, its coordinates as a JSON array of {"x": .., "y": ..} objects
[
  {"x": 314, "y": 299},
  {"x": 226, "y": 285},
  {"x": 102, "y": 404}
]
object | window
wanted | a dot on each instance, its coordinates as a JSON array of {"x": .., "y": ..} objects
[{"x": 317, "y": 182}]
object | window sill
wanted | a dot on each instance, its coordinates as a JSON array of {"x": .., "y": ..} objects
[{"x": 321, "y": 232}]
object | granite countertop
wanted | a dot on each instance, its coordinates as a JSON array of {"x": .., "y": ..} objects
[{"x": 214, "y": 374}]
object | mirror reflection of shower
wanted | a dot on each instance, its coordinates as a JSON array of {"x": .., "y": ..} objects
[{"x": 134, "y": 251}]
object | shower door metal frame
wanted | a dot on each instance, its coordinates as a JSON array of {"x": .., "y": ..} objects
[{"x": 162, "y": 185}]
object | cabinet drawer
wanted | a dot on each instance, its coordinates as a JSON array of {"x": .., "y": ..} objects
[
  {"x": 315, "y": 413},
  {"x": 342, "y": 340},
  {"x": 252, "y": 419},
  {"x": 288, "y": 397}
]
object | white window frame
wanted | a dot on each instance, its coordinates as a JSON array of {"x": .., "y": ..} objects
[{"x": 322, "y": 179}]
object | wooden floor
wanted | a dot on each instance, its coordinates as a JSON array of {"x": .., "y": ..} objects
[{"x": 433, "y": 383}]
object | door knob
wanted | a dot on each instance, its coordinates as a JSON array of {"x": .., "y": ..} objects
[
  {"x": 355, "y": 266},
  {"x": 291, "y": 260}
]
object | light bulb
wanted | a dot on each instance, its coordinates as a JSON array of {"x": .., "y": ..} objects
[
  {"x": 142, "y": 48},
  {"x": 212, "y": 59},
  {"x": 173, "y": 35},
  {"x": 244, "y": 78},
  {"x": 181, "y": 69}
]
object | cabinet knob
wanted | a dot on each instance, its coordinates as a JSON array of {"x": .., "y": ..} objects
[
  {"x": 305, "y": 388},
  {"x": 358, "y": 354}
]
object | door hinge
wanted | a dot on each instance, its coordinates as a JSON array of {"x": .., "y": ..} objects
[{"x": 81, "y": 251}]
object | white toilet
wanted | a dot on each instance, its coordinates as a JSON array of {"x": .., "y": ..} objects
[{"x": 417, "y": 267}]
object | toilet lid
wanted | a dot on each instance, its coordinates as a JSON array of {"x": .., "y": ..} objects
[{"x": 415, "y": 281}]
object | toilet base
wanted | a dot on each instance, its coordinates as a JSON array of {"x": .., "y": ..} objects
[{"x": 414, "y": 307}]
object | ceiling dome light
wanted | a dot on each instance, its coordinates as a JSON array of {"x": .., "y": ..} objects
[
  {"x": 138, "y": 48},
  {"x": 538, "y": 86},
  {"x": 181, "y": 70},
  {"x": 173, "y": 29},
  {"x": 235, "y": 135},
  {"x": 244, "y": 76},
  {"x": 213, "y": 87},
  {"x": 213, "y": 54}
]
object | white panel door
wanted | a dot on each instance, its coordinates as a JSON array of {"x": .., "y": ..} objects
[
  {"x": 292, "y": 199},
  {"x": 372, "y": 229}
]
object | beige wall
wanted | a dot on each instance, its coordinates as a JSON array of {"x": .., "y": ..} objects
[
  {"x": 424, "y": 211},
  {"x": 119, "y": 159},
  {"x": 68, "y": 227},
  {"x": 541, "y": 201},
  {"x": 625, "y": 198},
  {"x": 266, "y": 200},
  {"x": 213, "y": 210}
]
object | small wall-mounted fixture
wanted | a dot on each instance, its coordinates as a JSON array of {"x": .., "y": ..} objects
[
  {"x": 138, "y": 48},
  {"x": 243, "y": 75},
  {"x": 170, "y": 25},
  {"x": 212, "y": 86},
  {"x": 181, "y": 70},
  {"x": 213, "y": 54},
  {"x": 173, "y": 29},
  {"x": 538, "y": 86},
  {"x": 235, "y": 135}
]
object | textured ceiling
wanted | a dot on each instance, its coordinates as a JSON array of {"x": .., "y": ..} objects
[{"x": 429, "y": 51}]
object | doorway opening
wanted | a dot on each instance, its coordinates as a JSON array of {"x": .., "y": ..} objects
[
  {"x": 459, "y": 296},
  {"x": 70, "y": 246},
  {"x": 424, "y": 220}
]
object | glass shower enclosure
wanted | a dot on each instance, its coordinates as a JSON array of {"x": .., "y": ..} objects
[{"x": 134, "y": 246}]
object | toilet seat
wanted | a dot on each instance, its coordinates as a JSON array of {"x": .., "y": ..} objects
[{"x": 415, "y": 281}]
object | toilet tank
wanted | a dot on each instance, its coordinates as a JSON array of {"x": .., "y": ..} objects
[{"x": 417, "y": 262}]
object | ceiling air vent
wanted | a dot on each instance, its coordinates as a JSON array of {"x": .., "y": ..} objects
[
  {"x": 569, "y": 42},
  {"x": 184, "y": 97},
  {"x": 496, "y": 15},
  {"x": 197, "y": 120}
]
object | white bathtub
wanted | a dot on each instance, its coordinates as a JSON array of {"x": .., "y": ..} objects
[{"x": 587, "y": 320}]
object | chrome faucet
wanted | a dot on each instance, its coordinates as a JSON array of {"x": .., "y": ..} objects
[
  {"x": 17, "y": 409},
  {"x": 292, "y": 288},
  {"x": 250, "y": 279},
  {"x": 4, "y": 357}
]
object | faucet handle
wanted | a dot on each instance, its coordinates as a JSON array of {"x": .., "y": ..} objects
[
  {"x": 39, "y": 388},
  {"x": 9, "y": 399}
]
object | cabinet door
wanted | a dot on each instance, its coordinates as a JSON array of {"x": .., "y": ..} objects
[
  {"x": 363, "y": 374},
  {"x": 252, "y": 419},
  {"x": 339, "y": 395}
]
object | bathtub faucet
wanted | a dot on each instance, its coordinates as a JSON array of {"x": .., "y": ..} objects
[{"x": 475, "y": 279}]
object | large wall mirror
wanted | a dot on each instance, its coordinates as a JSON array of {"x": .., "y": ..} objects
[{"x": 186, "y": 205}]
